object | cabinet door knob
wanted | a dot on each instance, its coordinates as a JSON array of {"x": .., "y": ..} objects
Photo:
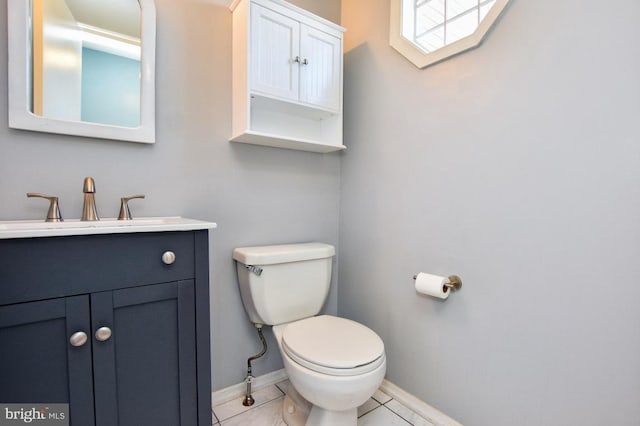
[
  {"x": 168, "y": 257},
  {"x": 103, "y": 333},
  {"x": 78, "y": 338}
]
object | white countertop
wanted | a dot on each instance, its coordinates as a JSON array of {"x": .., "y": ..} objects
[{"x": 39, "y": 228}]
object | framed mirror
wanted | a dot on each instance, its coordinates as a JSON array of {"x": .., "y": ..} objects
[{"x": 83, "y": 67}]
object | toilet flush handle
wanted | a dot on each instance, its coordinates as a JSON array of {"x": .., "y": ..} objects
[{"x": 255, "y": 269}]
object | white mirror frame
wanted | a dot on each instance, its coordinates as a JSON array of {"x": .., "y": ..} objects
[
  {"x": 423, "y": 59},
  {"x": 20, "y": 115}
]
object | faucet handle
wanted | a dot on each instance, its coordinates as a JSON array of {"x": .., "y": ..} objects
[
  {"x": 53, "y": 215},
  {"x": 125, "y": 213}
]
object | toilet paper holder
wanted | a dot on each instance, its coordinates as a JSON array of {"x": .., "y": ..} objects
[{"x": 454, "y": 284}]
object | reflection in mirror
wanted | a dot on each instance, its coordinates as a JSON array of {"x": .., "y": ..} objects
[
  {"x": 86, "y": 60},
  {"x": 88, "y": 67}
]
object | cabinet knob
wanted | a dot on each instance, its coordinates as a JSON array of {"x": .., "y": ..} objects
[
  {"x": 168, "y": 257},
  {"x": 103, "y": 333},
  {"x": 78, "y": 338}
]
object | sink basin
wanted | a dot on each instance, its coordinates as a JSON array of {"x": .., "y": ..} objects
[{"x": 34, "y": 228}]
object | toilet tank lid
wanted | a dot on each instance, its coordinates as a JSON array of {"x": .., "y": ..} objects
[{"x": 270, "y": 255}]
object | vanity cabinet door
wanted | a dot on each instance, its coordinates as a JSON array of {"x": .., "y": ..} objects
[
  {"x": 150, "y": 354},
  {"x": 39, "y": 364}
]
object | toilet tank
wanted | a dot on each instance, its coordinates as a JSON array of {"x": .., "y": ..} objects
[{"x": 284, "y": 283}]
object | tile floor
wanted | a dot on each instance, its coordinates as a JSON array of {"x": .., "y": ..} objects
[{"x": 380, "y": 410}]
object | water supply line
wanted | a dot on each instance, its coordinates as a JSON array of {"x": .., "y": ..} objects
[{"x": 248, "y": 399}]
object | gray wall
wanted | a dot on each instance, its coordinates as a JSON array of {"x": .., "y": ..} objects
[
  {"x": 256, "y": 195},
  {"x": 516, "y": 166}
]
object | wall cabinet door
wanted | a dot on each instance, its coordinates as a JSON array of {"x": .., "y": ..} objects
[
  {"x": 38, "y": 364},
  {"x": 275, "y": 44},
  {"x": 321, "y": 69},
  {"x": 294, "y": 61}
]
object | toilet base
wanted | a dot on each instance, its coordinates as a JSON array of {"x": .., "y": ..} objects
[
  {"x": 321, "y": 417},
  {"x": 297, "y": 411}
]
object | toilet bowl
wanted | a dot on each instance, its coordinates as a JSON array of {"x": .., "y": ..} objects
[{"x": 334, "y": 364}]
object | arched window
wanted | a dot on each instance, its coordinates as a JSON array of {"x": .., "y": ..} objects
[{"x": 429, "y": 31}]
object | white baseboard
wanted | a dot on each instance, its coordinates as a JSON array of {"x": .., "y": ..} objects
[
  {"x": 416, "y": 405},
  {"x": 238, "y": 390},
  {"x": 413, "y": 403}
]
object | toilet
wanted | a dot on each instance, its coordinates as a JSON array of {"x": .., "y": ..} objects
[{"x": 334, "y": 364}]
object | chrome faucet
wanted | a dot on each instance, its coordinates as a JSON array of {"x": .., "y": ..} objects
[{"x": 89, "y": 212}]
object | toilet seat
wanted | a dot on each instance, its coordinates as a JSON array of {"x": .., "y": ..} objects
[{"x": 332, "y": 345}]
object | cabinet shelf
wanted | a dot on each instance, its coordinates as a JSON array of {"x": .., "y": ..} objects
[
  {"x": 279, "y": 141},
  {"x": 264, "y": 102}
]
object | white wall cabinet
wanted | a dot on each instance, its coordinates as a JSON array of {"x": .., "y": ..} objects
[{"x": 287, "y": 77}]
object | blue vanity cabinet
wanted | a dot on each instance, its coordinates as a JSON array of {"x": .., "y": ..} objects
[{"x": 146, "y": 359}]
